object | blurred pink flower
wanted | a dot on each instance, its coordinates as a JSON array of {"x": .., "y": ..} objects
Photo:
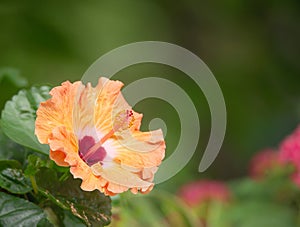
[
  {"x": 289, "y": 152},
  {"x": 262, "y": 162},
  {"x": 204, "y": 190}
]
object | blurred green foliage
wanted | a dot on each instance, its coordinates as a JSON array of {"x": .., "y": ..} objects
[{"x": 252, "y": 47}]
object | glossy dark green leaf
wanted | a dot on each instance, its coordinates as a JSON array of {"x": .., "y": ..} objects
[
  {"x": 59, "y": 217},
  {"x": 71, "y": 220},
  {"x": 44, "y": 223},
  {"x": 12, "y": 178},
  {"x": 14, "y": 181},
  {"x": 11, "y": 150},
  {"x": 19, "y": 212},
  {"x": 18, "y": 117},
  {"x": 94, "y": 208}
]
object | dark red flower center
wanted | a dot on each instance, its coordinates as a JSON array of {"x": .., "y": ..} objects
[{"x": 85, "y": 144}]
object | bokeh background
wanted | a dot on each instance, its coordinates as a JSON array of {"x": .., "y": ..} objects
[{"x": 252, "y": 47}]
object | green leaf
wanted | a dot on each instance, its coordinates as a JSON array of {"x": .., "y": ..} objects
[
  {"x": 14, "y": 181},
  {"x": 12, "y": 178},
  {"x": 258, "y": 213},
  {"x": 94, "y": 208},
  {"x": 11, "y": 150},
  {"x": 215, "y": 214},
  {"x": 19, "y": 212},
  {"x": 250, "y": 189},
  {"x": 14, "y": 76},
  {"x": 60, "y": 217},
  {"x": 9, "y": 164},
  {"x": 71, "y": 220},
  {"x": 35, "y": 163},
  {"x": 18, "y": 117},
  {"x": 270, "y": 189},
  {"x": 157, "y": 208},
  {"x": 44, "y": 223}
]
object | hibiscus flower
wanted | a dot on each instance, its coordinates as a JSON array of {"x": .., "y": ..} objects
[{"x": 96, "y": 133}]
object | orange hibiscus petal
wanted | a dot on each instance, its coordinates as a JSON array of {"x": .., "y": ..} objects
[
  {"x": 120, "y": 179},
  {"x": 64, "y": 141},
  {"x": 83, "y": 111},
  {"x": 110, "y": 103},
  {"x": 56, "y": 111},
  {"x": 65, "y": 153},
  {"x": 121, "y": 105},
  {"x": 90, "y": 182},
  {"x": 58, "y": 157},
  {"x": 108, "y": 92},
  {"x": 140, "y": 149}
]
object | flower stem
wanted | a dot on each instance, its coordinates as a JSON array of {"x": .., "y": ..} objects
[
  {"x": 34, "y": 185},
  {"x": 64, "y": 176}
]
